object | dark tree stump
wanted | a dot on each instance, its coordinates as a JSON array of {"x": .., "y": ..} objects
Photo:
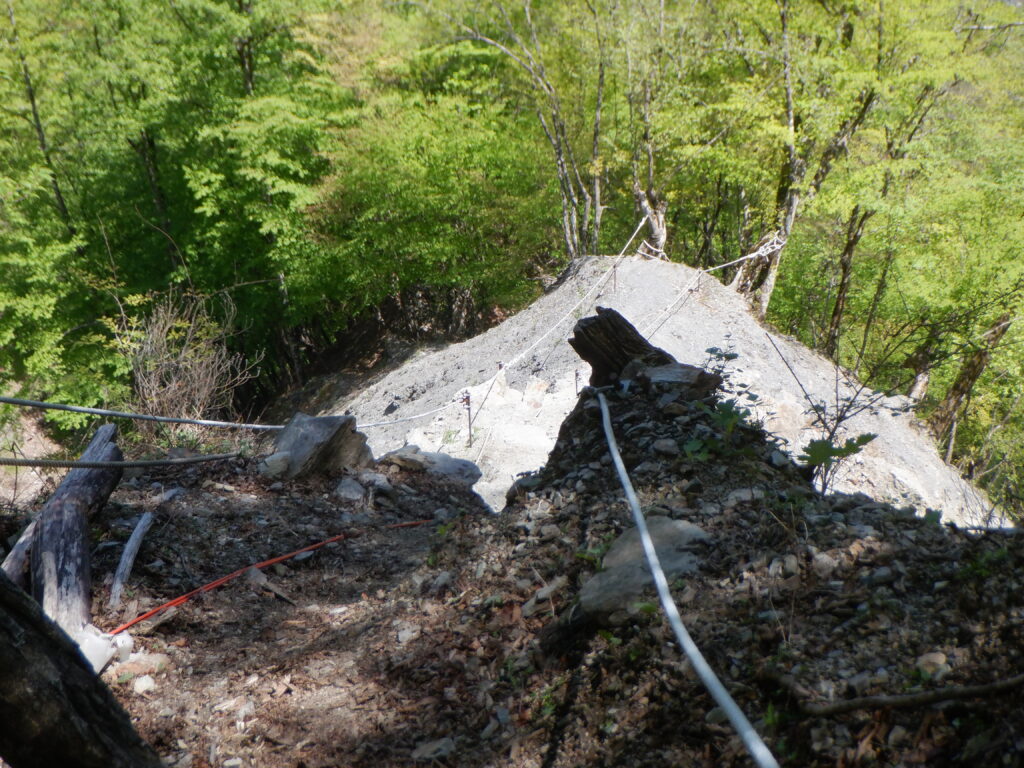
[
  {"x": 609, "y": 343},
  {"x": 55, "y": 711},
  {"x": 616, "y": 350},
  {"x": 60, "y": 546}
]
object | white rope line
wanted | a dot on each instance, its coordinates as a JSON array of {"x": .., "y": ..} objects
[
  {"x": 406, "y": 418},
  {"x": 755, "y": 746},
  {"x": 775, "y": 242},
  {"x": 518, "y": 358},
  {"x": 597, "y": 284},
  {"x": 72, "y": 464},
  {"x": 137, "y": 416}
]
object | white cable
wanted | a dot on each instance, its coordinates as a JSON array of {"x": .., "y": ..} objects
[
  {"x": 755, "y": 746},
  {"x": 138, "y": 416},
  {"x": 406, "y": 418},
  {"x": 515, "y": 360},
  {"x": 681, "y": 299},
  {"x": 597, "y": 284}
]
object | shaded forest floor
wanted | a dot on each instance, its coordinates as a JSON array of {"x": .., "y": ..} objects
[{"x": 441, "y": 643}]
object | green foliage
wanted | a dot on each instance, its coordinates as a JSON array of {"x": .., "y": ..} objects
[
  {"x": 313, "y": 160},
  {"x": 825, "y": 456}
]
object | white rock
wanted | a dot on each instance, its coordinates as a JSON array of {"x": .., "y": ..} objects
[
  {"x": 144, "y": 684},
  {"x": 823, "y": 565},
  {"x": 434, "y": 750}
]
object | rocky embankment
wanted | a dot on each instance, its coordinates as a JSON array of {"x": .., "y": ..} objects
[{"x": 850, "y": 631}]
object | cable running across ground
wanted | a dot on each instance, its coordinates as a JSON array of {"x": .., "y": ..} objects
[
  {"x": 755, "y": 746},
  {"x": 136, "y": 416}
]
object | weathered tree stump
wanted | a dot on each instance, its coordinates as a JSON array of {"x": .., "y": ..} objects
[
  {"x": 54, "y": 709},
  {"x": 616, "y": 350},
  {"x": 609, "y": 343},
  {"x": 60, "y": 545}
]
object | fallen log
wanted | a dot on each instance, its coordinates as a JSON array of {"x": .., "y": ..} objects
[
  {"x": 124, "y": 568},
  {"x": 60, "y": 544},
  {"x": 54, "y": 709}
]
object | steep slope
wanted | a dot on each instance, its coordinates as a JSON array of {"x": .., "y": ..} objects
[
  {"x": 517, "y": 410},
  {"x": 851, "y": 632}
]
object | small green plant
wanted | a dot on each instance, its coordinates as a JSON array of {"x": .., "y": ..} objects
[
  {"x": 646, "y": 608},
  {"x": 727, "y": 415},
  {"x": 825, "y": 456},
  {"x": 985, "y": 565},
  {"x": 696, "y": 449},
  {"x": 589, "y": 556},
  {"x": 609, "y": 638}
]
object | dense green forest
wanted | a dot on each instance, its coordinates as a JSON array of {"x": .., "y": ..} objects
[{"x": 264, "y": 175}]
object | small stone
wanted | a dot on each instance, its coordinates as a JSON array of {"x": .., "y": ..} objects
[
  {"x": 716, "y": 716},
  {"x": 434, "y": 750},
  {"x": 860, "y": 682},
  {"x": 545, "y": 593},
  {"x": 823, "y": 565},
  {"x": 666, "y": 446},
  {"x": 441, "y": 582},
  {"x": 234, "y": 762},
  {"x": 550, "y": 531},
  {"x": 932, "y": 664},
  {"x": 898, "y": 735},
  {"x": 675, "y": 409},
  {"x": 276, "y": 464},
  {"x": 350, "y": 489},
  {"x": 791, "y": 565},
  {"x": 647, "y": 468},
  {"x": 407, "y": 633},
  {"x": 144, "y": 684},
  {"x": 743, "y": 496},
  {"x": 883, "y": 575}
]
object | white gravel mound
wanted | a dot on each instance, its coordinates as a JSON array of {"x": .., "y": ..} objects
[{"x": 518, "y": 409}]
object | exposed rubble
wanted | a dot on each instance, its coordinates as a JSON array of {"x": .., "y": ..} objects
[{"x": 850, "y": 631}]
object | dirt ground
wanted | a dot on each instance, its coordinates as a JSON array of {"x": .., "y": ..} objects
[{"x": 454, "y": 642}]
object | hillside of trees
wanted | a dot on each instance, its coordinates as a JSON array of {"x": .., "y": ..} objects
[{"x": 254, "y": 179}]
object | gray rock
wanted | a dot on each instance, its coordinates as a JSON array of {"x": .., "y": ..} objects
[
  {"x": 276, "y": 464},
  {"x": 350, "y": 489},
  {"x": 823, "y": 565},
  {"x": 666, "y": 446},
  {"x": 322, "y": 444},
  {"x": 144, "y": 684},
  {"x": 434, "y": 750},
  {"x": 615, "y": 591},
  {"x": 743, "y": 496},
  {"x": 378, "y": 482},
  {"x": 671, "y": 538},
  {"x": 545, "y": 593},
  {"x": 790, "y": 565},
  {"x": 411, "y": 457}
]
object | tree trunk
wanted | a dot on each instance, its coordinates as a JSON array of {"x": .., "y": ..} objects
[
  {"x": 60, "y": 547},
  {"x": 854, "y": 232},
  {"x": 612, "y": 346},
  {"x": 37, "y": 124},
  {"x": 145, "y": 148},
  {"x": 971, "y": 369},
  {"x": 654, "y": 209},
  {"x": 54, "y": 710}
]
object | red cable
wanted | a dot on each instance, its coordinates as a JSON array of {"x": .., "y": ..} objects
[{"x": 266, "y": 563}]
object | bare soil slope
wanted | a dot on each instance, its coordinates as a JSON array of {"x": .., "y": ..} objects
[{"x": 517, "y": 410}]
